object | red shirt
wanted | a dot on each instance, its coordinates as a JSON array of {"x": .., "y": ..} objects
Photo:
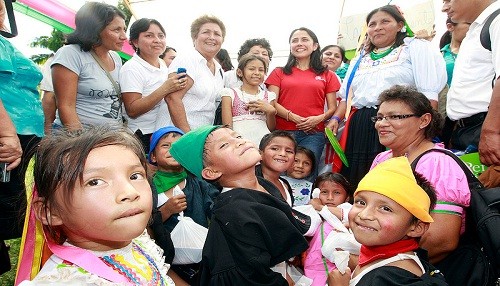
[{"x": 302, "y": 92}]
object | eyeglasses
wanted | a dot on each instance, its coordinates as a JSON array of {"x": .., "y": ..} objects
[{"x": 391, "y": 118}]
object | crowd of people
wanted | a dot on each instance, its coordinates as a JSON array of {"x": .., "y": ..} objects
[{"x": 128, "y": 153}]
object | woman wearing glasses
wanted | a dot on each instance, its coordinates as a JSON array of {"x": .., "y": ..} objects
[
  {"x": 406, "y": 123},
  {"x": 391, "y": 56}
]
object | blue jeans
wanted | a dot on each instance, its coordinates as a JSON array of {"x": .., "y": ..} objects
[{"x": 314, "y": 142}]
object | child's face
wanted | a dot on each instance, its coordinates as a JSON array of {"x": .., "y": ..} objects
[
  {"x": 279, "y": 154},
  {"x": 378, "y": 220},
  {"x": 253, "y": 73},
  {"x": 302, "y": 166},
  {"x": 227, "y": 153},
  {"x": 332, "y": 194},
  {"x": 113, "y": 205},
  {"x": 161, "y": 155}
]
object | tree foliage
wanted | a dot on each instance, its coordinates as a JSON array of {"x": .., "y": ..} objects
[
  {"x": 52, "y": 42},
  {"x": 124, "y": 8}
]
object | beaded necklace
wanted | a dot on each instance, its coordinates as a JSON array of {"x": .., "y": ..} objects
[
  {"x": 377, "y": 56},
  {"x": 130, "y": 271}
]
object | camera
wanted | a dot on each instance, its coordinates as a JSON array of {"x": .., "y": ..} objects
[{"x": 4, "y": 174}]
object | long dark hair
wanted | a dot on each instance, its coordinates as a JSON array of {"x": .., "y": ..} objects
[
  {"x": 396, "y": 14},
  {"x": 90, "y": 21},
  {"x": 315, "y": 57}
]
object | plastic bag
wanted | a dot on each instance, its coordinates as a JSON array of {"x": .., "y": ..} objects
[
  {"x": 188, "y": 238},
  {"x": 340, "y": 240}
]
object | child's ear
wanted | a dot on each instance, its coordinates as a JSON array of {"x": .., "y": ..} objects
[
  {"x": 210, "y": 174},
  {"x": 44, "y": 214},
  {"x": 239, "y": 72},
  {"x": 153, "y": 157},
  {"x": 418, "y": 229}
]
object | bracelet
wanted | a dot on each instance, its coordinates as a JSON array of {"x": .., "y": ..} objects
[
  {"x": 336, "y": 118},
  {"x": 288, "y": 115}
]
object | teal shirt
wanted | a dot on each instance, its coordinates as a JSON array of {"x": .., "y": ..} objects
[
  {"x": 449, "y": 59},
  {"x": 342, "y": 70},
  {"x": 19, "y": 79}
]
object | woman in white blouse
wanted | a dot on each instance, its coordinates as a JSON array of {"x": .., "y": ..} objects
[
  {"x": 145, "y": 82},
  {"x": 195, "y": 105},
  {"x": 392, "y": 57}
]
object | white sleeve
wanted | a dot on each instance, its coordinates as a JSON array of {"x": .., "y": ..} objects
[
  {"x": 313, "y": 214},
  {"x": 131, "y": 79},
  {"x": 428, "y": 66},
  {"x": 227, "y": 92},
  {"x": 332, "y": 219}
]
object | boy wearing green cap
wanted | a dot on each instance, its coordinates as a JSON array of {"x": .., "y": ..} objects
[
  {"x": 389, "y": 215},
  {"x": 178, "y": 191},
  {"x": 252, "y": 227}
]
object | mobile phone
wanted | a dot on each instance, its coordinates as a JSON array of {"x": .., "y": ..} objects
[
  {"x": 4, "y": 174},
  {"x": 181, "y": 70}
]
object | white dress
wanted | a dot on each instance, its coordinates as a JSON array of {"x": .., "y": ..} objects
[{"x": 250, "y": 125}]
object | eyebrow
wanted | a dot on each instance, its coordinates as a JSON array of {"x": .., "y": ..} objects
[{"x": 98, "y": 169}]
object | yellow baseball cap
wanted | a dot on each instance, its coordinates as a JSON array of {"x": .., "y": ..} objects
[{"x": 394, "y": 179}]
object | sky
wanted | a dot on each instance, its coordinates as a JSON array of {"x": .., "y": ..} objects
[{"x": 273, "y": 20}]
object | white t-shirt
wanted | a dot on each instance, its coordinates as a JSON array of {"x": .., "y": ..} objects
[
  {"x": 139, "y": 76},
  {"x": 202, "y": 99},
  {"x": 231, "y": 80},
  {"x": 475, "y": 67},
  {"x": 46, "y": 83},
  {"x": 97, "y": 102}
]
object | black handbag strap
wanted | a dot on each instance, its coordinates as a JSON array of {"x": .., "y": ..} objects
[{"x": 471, "y": 179}]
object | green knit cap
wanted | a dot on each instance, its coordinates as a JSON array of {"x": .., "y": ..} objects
[{"x": 188, "y": 149}]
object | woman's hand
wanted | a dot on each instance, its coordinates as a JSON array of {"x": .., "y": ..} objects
[
  {"x": 10, "y": 151},
  {"x": 308, "y": 124},
  {"x": 174, "y": 83},
  {"x": 333, "y": 125},
  {"x": 174, "y": 205}
]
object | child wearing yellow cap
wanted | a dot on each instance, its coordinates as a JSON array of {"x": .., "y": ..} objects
[
  {"x": 389, "y": 215},
  {"x": 252, "y": 228}
]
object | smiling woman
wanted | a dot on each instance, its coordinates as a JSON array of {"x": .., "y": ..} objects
[
  {"x": 196, "y": 104},
  {"x": 86, "y": 71},
  {"x": 391, "y": 56},
  {"x": 145, "y": 82}
]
